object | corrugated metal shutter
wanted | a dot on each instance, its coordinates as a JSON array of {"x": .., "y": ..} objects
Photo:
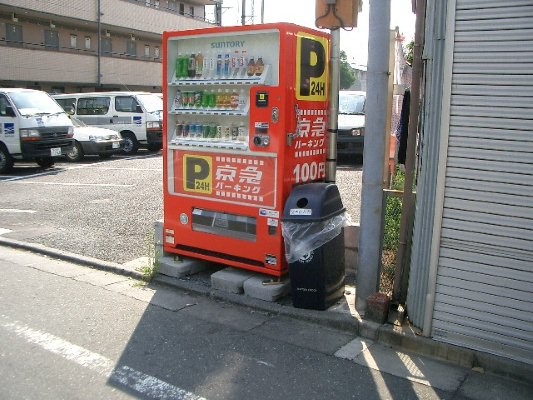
[{"x": 484, "y": 291}]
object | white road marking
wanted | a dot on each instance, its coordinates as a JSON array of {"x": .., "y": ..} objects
[
  {"x": 2, "y": 231},
  {"x": 144, "y": 384},
  {"x": 16, "y": 210},
  {"x": 16, "y": 178}
]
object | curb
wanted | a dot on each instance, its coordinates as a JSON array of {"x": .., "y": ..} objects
[{"x": 399, "y": 338}]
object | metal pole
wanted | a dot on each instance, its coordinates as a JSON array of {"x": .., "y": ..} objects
[
  {"x": 99, "y": 39},
  {"x": 334, "y": 70},
  {"x": 401, "y": 274},
  {"x": 262, "y": 11},
  {"x": 243, "y": 13},
  {"x": 370, "y": 234}
]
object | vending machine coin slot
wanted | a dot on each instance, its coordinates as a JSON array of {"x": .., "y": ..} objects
[{"x": 261, "y": 135}]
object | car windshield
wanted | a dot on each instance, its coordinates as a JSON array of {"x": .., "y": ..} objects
[
  {"x": 35, "y": 103},
  {"x": 351, "y": 104},
  {"x": 151, "y": 102}
]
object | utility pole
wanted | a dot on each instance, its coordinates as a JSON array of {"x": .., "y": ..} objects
[{"x": 370, "y": 236}]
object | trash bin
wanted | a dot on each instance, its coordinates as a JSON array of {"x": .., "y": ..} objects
[{"x": 312, "y": 227}]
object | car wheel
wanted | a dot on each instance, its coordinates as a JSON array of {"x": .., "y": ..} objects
[
  {"x": 131, "y": 145},
  {"x": 155, "y": 146},
  {"x": 45, "y": 162},
  {"x": 76, "y": 154},
  {"x": 6, "y": 161}
]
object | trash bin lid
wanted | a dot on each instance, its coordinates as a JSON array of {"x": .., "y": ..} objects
[{"x": 317, "y": 201}]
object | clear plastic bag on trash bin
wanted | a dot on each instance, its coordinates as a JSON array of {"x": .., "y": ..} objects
[{"x": 303, "y": 238}]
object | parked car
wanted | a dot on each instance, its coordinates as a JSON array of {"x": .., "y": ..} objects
[
  {"x": 136, "y": 116},
  {"x": 351, "y": 122},
  {"x": 92, "y": 140}
]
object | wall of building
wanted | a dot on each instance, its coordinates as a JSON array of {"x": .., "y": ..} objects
[{"x": 75, "y": 64}]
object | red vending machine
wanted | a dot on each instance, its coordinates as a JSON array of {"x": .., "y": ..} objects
[{"x": 245, "y": 121}]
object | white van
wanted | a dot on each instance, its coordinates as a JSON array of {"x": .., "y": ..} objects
[
  {"x": 137, "y": 116},
  {"x": 33, "y": 127}
]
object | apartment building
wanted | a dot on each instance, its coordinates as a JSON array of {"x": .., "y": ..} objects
[{"x": 65, "y": 46}]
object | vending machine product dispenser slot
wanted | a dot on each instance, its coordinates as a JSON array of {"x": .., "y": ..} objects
[{"x": 233, "y": 96}]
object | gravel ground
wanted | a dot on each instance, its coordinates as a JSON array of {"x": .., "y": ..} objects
[
  {"x": 104, "y": 209},
  {"x": 348, "y": 180}
]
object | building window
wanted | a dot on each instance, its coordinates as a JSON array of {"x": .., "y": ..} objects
[
  {"x": 87, "y": 43},
  {"x": 51, "y": 39},
  {"x": 73, "y": 41},
  {"x": 156, "y": 52},
  {"x": 191, "y": 11},
  {"x": 107, "y": 46},
  {"x": 146, "y": 51},
  {"x": 172, "y": 5},
  {"x": 131, "y": 48},
  {"x": 182, "y": 9},
  {"x": 14, "y": 35}
]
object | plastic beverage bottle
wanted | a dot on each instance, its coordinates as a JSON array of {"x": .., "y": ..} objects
[
  {"x": 184, "y": 66},
  {"x": 242, "y": 100},
  {"x": 212, "y": 65},
  {"x": 191, "y": 67},
  {"x": 259, "y": 66},
  {"x": 220, "y": 67},
  {"x": 242, "y": 135},
  {"x": 234, "y": 103},
  {"x": 220, "y": 99},
  {"x": 227, "y": 63},
  {"x": 251, "y": 67},
  {"x": 235, "y": 64},
  {"x": 205, "y": 66},
  {"x": 178, "y": 66},
  {"x": 243, "y": 63},
  {"x": 199, "y": 61},
  {"x": 227, "y": 99}
]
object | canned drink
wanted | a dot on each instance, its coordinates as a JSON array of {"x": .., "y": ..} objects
[
  {"x": 226, "y": 132},
  {"x": 205, "y": 131},
  {"x": 197, "y": 99},
  {"x": 219, "y": 131},
  {"x": 185, "y": 99},
  {"x": 186, "y": 129},
  {"x": 212, "y": 99},
  {"x": 178, "y": 100},
  {"x": 234, "y": 132},
  {"x": 199, "y": 130},
  {"x": 205, "y": 99},
  {"x": 212, "y": 131},
  {"x": 179, "y": 129}
]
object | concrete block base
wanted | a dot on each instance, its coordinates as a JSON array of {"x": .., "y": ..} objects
[
  {"x": 265, "y": 288},
  {"x": 169, "y": 266},
  {"x": 230, "y": 280},
  {"x": 377, "y": 307},
  {"x": 351, "y": 247}
]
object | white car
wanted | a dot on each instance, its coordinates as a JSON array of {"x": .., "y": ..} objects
[
  {"x": 351, "y": 122},
  {"x": 92, "y": 140}
]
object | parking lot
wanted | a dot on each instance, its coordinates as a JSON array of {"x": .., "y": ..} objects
[{"x": 103, "y": 208}]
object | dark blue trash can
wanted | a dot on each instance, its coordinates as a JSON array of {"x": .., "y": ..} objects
[{"x": 311, "y": 218}]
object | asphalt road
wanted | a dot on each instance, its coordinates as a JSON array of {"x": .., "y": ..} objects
[
  {"x": 70, "y": 332},
  {"x": 104, "y": 209}
]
